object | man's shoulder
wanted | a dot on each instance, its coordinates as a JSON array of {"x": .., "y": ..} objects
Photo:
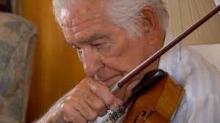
[
  {"x": 203, "y": 78},
  {"x": 191, "y": 70}
]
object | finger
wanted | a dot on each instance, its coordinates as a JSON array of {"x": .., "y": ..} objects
[
  {"x": 104, "y": 93},
  {"x": 95, "y": 103},
  {"x": 85, "y": 110},
  {"x": 70, "y": 115}
]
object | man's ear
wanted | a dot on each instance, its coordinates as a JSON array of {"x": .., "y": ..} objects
[{"x": 150, "y": 20}]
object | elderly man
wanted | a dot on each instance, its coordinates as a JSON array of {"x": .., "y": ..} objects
[{"x": 111, "y": 38}]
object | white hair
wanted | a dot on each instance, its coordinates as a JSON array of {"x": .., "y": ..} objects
[{"x": 126, "y": 13}]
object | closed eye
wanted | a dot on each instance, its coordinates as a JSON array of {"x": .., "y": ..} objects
[
  {"x": 98, "y": 45},
  {"x": 102, "y": 46}
]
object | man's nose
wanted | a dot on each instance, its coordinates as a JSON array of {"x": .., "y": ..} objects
[{"x": 91, "y": 62}]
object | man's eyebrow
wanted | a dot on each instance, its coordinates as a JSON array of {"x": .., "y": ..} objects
[
  {"x": 89, "y": 40},
  {"x": 96, "y": 37}
]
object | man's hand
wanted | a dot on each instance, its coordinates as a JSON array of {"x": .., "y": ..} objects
[{"x": 88, "y": 100}]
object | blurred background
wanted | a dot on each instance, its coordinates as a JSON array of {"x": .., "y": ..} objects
[{"x": 55, "y": 67}]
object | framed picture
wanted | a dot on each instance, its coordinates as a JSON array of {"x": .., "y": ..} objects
[{"x": 5, "y": 5}]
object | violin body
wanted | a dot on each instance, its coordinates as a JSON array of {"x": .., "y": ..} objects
[{"x": 158, "y": 104}]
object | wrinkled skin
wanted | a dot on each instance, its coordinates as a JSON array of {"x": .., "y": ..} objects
[{"x": 107, "y": 53}]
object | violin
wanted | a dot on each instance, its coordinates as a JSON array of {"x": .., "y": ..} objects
[{"x": 156, "y": 98}]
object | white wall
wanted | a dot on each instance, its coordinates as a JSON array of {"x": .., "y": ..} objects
[
  {"x": 183, "y": 13},
  {"x": 217, "y": 2}
]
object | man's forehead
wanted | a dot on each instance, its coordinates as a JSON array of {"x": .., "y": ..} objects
[{"x": 80, "y": 11}]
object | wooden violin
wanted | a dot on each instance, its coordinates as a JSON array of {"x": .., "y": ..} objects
[{"x": 156, "y": 97}]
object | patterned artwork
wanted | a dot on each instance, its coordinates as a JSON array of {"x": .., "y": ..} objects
[{"x": 16, "y": 49}]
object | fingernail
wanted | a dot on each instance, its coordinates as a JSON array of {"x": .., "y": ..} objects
[
  {"x": 119, "y": 102},
  {"x": 114, "y": 106}
]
